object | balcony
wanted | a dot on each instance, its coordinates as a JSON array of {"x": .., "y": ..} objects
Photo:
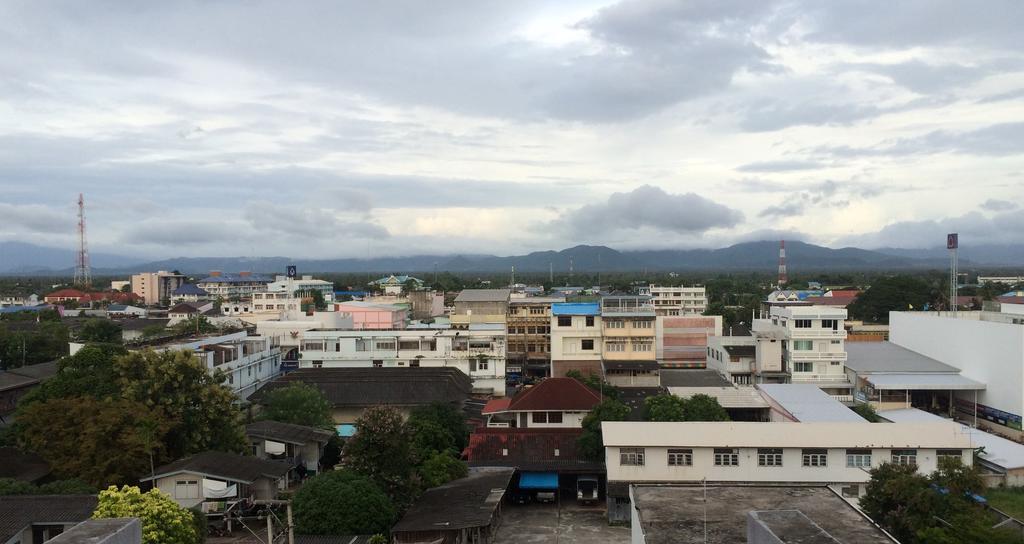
[
  {"x": 797, "y": 334},
  {"x": 814, "y": 356},
  {"x": 801, "y": 377}
]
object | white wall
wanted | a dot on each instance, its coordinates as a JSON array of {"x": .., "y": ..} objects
[{"x": 991, "y": 353}]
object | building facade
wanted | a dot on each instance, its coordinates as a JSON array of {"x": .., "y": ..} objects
[
  {"x": 628, "y": 330},
  {"x": 529, "y": 335},
  {"x": 156, "y": 287},
  {"x": 811, "y": 341},
  {"x": 301, "y": 287},
  {"x": 676, "y": 301},
  {"x": 480, "y": 306},
  {"x": 480, "y": 354},
  {"x": 682, "y": 341},
  {"x": 233, "y": 286},
  {"x": 576, "y": 338},
  {"x": 372, "y": 316},
  {"x": 248, "y": 362}
]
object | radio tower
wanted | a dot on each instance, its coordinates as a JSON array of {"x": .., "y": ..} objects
[
  {"x": 83, "y": 275},
  {"x": 783, "y": 279}
]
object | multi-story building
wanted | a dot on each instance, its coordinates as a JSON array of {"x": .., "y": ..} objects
[
  {"x": 372, "y": 316},
  {"x": 529, "y": 335},
  {"x": 627, "y": 326},
  {"x": 676, "y": 301},
  {"x": 836, "y": 454},
  {"x": 682, "y": 341},
  {"x": 575, "y": 338},
  {"x": 287, "y": 329},
  {"x": 301, "y": 287},
  {"x": 188, "y": 292},
  {"x": 811, "y": 344},
  {"x": 156, "y": 287},
  {"x": 249, "y": 362},
  {"x": 478, "y": 352},
  {"x": 560, "y": 403},
  {"x": 10, "y": 301},
  {"x": 1008, "y": 280},
  {"x": 395, "y": 285},
  {"x": 480, "y": 306},
  {"x": 233, "y": 286}
]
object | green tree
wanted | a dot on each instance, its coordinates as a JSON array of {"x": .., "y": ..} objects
[
  {"x": 299, "y": 404},
  {"x": 163, "y": 521},
  {"x": 342, "y": 502},
  {"x": 89, "y": 372},
  {"x": 591, "y": 441},
  {"x": 106, "y": 447},
  {"x": 444, "y": 418},
  {"x": 319, "y": 304},
  {"x": 895, "y": 293},
  {"x": 10, "y": 486},
  {"x": 664, "y": 407},
  {"x": 153, "y": 331},
  {"x": 67, "y": 487},
  {"x": 866, "y": 411},
  {"x": 100, "y": 331},
  {"x": 194, "y": 325},
  {"x": 704, "y": 408},
  {"x": 382, "y": 450},
  {"x": 441, "y": 468}
]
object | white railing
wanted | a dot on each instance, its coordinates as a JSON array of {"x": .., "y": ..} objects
[
  {"x": 843, "y": 398},
  {"x": 804, "y": 377},
  {"x": 797, "y": 334}
]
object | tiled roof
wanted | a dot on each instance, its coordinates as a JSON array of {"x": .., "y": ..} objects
[
  {"x": 189, "y": 289},
  {"x": 464, "y": 503},
  {"x": 20, "y": 465},
  {"x": 496, "y": 405},
  {"x": 229, "y": 466},
  {"x": 66, "y": 293},
  {"x": 19, "y": 511},
  {"x": 528, "y": 449},
  {"x": 183, "y": 308},
  {"x": 556, "y": 394},
  {"x": 286, "y": 432},
  {"x": 373, "y": 386}
]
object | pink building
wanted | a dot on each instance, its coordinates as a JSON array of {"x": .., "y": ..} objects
[
  {"x": 682, "y": 342},
  {"x": 370, "y": 316}
]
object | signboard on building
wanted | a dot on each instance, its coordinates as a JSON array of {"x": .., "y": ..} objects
[
  {"x": 291, "y": 271},
  {"x": 952, "y": 241}
]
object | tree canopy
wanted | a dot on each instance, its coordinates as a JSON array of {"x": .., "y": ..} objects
[
  {"x": 439, "y": 427},
  {"x": 699, "y": 407},
  {"x": 163, "y": 521},
  {"x": 591, "y": 441},
  {"x": 895, "y": 293},
  {"x": 299, "y": 404},
  {"x": 382, "y": 450},
  {"x": 100, "y": 331},
  {"x": 10, "y": 486},
  {"x": 342, "y": 502}
]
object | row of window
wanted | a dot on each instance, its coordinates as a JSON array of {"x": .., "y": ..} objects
[
  {"x": 530, "y": 330},
  {"x": 566, "y": 320},
  {"x": 474, "y": 364},
  {"x": 621, "y": 324},
  {"x": 636, "y": 346},
  {"x": 546, "y": 417},
  {"x": 772, "y": 457},
  {"x": 825, "y": 324},
  {"x": 516, "y": 347}
]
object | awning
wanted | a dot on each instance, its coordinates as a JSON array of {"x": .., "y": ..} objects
[
  {"x": 346, "y": 430},
  {"x": 631, "y": 365},
  {"x": 928, "y": 382},
  {"x": 538, "y": 480}
]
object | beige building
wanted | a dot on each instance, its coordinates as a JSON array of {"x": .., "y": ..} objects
[
  {"x": 155, "y": 287},
  {"x": 576, "y": 338},
  {"x": 628, "y": 329},
  {"x": 480, "y": 306},
  {"x": 217, "y": 476},
  {"x": 677, "y": 301},
  {"x": 529, "y": 335}
]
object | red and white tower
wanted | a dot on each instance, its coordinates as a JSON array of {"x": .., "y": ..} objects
[
  {"x": 783, "y": 279},
  {"x": 83, "y": 274}
]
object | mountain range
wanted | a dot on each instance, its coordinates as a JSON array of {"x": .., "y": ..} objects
[{"x": 27, "y": 259}]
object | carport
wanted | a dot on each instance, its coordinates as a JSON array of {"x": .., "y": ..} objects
[
  {"x": 539, "y": 481},
  {"x": 919, "y": 389}
]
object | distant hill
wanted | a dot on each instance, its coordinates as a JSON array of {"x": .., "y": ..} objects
[{"x": 763, "y": 256}]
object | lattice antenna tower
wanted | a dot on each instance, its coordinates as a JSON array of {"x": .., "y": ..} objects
[{"x": 83, "y": 273}]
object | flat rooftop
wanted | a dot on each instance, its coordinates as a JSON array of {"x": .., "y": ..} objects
[
  {"x": 879, "y": 357},
  {"x": 1003, "y": 453},
  {"x": 484, "y": 295},
  {"x": 807, "y": 402},
  {"x": 676, "y": 514},
  {"x": 696, "y": 377},
  {"x": 728, "y": 397}
]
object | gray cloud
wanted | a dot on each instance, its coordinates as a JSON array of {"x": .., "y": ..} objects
[
  {"x": 34, "y": 219},
  {"x": 308, "y": 222},
  {"x": 651, "y": 207},
  {"x": 785, "y": 209},
  {"x": 973, "y": 227},
  {"x": 996, "y": 205},
  {"x": 994, "y": 140},
  {"x": 781, "y": 166}
]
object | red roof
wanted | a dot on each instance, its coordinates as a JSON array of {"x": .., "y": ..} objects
[
  {"x": 496, "y": 405},
  {"x": 66, "y": 293},
  {"x": 527, "y": 449},
  {"x": 845, "y": 293},
  {"x": 556, "y": 394},
  {"x": 1011, "y": 300}
]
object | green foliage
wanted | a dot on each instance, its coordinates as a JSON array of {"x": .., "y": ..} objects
[
  {"x": 23, "y": 341},
  {"x": 100, "y": 331},
  {"x": 10, "y": 486},
  {"x": 298, "y": 404},
  {"x": 896, "y": 293},
  {"x": 664, "y": 408},
  {"x": 163, "y": 521},
  {"x": 866, "y": 411},
  {"x": 442, "y": 468},
  {"x": 342, "y": 502},
  {"x": 89, "y": 372},
  {"x": 378, "y": 539},
  {"x": 197, "y": 324},
  {"x": 595, "y": 382},
  {"x": 704, "y": 408},
  {"x": 591, "y": 442},
  {"x": 107, "y": 447},
  {"x": 382, "y": 450},
  {"x": 153, "y": 331},
  {"x": 446, "y": 417},
  {"x": 332, "y": 452}
]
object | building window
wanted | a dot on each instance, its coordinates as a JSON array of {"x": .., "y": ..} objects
[
  {"x": 769, "y": 457},
  {"x": 727, "y": 457},
  {"x": 565, "y": 321},
  {"x": 587, "y": 344},
  {"x": 802, "y": 323},
  {"x": 851, "y": 491},
  {"x": 631, "y": 457},
  {"x": 483, "y": 364},
  {"x": 803, "y": 345},
  {"x": 555, "y": 417},
  {"x": 949, "y": 454},
  {"x": 186, "y": 489},
  {"x": 318, "y": 364},
  {"x": 590, "y": 321},
  {"x": 385, "y": 345},
  {"x": 904, "y": 457},
  {"x": 615, "y": 346},
  {"x": 803, "y": 367},
  {"x": 615, "y": 324},
  {"x": 536, "y": 311},
  {"x": 680, "y": 458},
  {"x": 835, "y": 342},
  {"x": 645, "y": 324},
  {"x": 377, "y": 363},
  {"x": 858, "y": 458},
  {"x": 642, "y": 346},
  {"x": 815, "y": 458},
  {"x": 539, "y": 417},
  {"x": 415, "y": 363},
  {"x": 830, "y": 324}
]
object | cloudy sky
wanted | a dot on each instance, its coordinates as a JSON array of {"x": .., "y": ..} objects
[{"x": 323, "y": 129}]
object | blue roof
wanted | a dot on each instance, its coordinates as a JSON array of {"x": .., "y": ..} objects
[
  {"x": 235, "y": 278},
  {"x": 346, "y": 430},
  {"x": 538, "y": 480},
  {"x": 576, "y": 308},
  {"x": 16, "y": 309},
  {"x": 189, "y": 289}
]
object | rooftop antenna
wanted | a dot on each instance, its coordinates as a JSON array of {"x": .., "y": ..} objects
[
  {"x": 953, "y": 244},
  {"x": 783, "y": 278},
  {"x": 570, "y": 272},
  {"x": 83, "y": 274},
  {"x": 551, "y": 272},
  {"x": 513, "y": 276}
]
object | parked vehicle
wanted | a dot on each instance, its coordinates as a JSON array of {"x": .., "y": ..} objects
[
  {"x": 586, "y": 489},
  {"x": 547, "y": 496}
]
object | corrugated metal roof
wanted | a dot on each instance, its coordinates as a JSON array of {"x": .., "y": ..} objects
[
  {"x": 728, "y": 397},
  {"x": 808, "y": 403},
  {"x": 882, "y": 357},
  {"x": 998, "y": 450},
  {"x": 927, "y": 382}
]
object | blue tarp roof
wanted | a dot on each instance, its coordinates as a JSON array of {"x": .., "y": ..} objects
[
  {"x": 576, "y": 308},
  {"x": 538, "y": 480},
  {"x": 346, "y": 430},
  {"x": 235, "y": 278}
]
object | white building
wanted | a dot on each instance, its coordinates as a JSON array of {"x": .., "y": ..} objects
[
  {"x": 554, "y": 403},
  {"x": 575, "y": 338},
  {"x": 812, "y": 342},
  {"x": 233, "y": 286},
  {"x": 837, "y": 454},
  {"x": 986, "y": 347},
  {"x": 478, "y": 352},
  {"x": 248, "y": 362},
  {"x": 287, "y": 330},
  {"x": 301, "y": 287},
  {"x": 677, "y": 301},
  {"x": 12, "y": 300},
  {"x": 1008, "y": 280}
]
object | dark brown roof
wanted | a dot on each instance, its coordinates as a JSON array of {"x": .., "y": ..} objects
[
  {"x": 459, "y": 504},
  {"x": 741, "y": 351},
  {"x": 229, "y": 466},
  {"x": 374, "y": 386},
  {"x": 631, "y": 365},
  {"x": 20, "y": 465},
  {"x": 10, "y": 380},
  {"x": 183, "y": 308},
  {"x": 556, "y": 394},
  {"x": 139, "y": 324},
  {"x": 41, "y": 371},
  {"x": 528, "y": 449},
  {"x": 288, "y": 433},
  {"x": 19, "y": 511}
]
